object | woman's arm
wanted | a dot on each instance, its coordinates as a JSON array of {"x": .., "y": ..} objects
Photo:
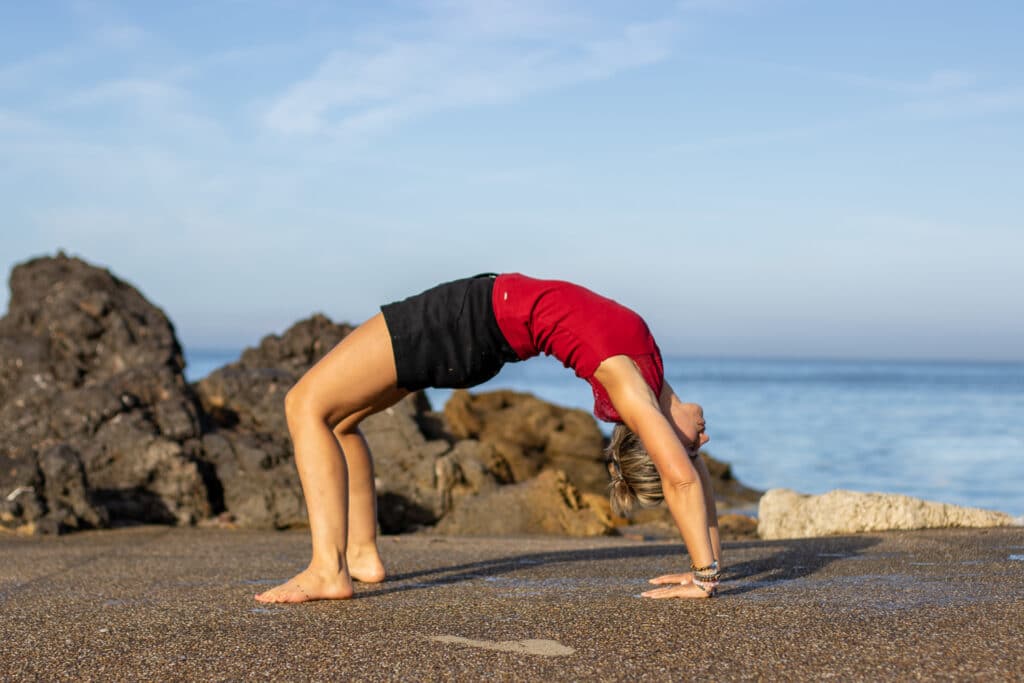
[
  {"x": 681, "y": 482},
  {"x": 688, "y": 420},
  {"x": 712, "y": 511}
]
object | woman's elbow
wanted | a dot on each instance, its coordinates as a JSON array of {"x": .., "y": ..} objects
[{"x": 680, "y": 482}]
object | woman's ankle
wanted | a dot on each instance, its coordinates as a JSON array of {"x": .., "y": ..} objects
[
  {"x": 362, "y": 550},
  {"x": 328, "y": 563}
]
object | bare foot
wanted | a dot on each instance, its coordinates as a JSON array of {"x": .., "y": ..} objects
[
  {"x": 365, "y": 565},
  {"x": 309, "y": 585}
]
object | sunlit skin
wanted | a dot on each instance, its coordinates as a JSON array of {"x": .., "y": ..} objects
[{"x": 358, "y": 378}]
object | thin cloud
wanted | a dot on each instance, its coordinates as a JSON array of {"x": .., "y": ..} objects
[
  {"x": 975, "y": 103},
  {"x": 147, "y": 92},
  {"x": 168, "y": 105},
  {"x": 19, "y": 124},
  {"x": 26, "y": 71},
  {"x": 727, "y": 6},
  {"x": 504, "y": 18},
  {"x": 939, "y": 93},
  {"x": 122, "y": 36},
  {"x": 361, "y": 91},
  {"x": 29, "y": 70},
  {"x": 937, "y": 82},
  {"x": 968, "y": 104},
  {"x": 944, "y": 80}
]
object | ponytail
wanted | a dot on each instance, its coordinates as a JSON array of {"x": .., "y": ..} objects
[{"x": 635, "y": 481}]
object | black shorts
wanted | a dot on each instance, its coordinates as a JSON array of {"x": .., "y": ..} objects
[{"x": 447, "y": 336}]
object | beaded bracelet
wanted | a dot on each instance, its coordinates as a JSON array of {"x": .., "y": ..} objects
[
  {"x": 709, "y": 587},
  {"x": 706, "y": 574},
  {"x": 697, "y": 579},
  {"x": 713, "y": 567}
]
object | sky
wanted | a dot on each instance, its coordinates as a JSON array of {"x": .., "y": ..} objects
[{"x": 777, "y": 178}]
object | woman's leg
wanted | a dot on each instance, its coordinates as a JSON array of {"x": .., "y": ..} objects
[
  {"x": 356, "y": 379},
  {"x": 362, "y": 555}
]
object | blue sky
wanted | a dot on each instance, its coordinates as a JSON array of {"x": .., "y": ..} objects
[{"x": 777, "y": 178}]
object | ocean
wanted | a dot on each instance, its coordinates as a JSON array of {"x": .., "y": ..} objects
[{"x": 945, "y": 431}]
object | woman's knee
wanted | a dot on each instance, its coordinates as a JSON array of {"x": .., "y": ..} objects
[{"x": 301, "y": 402}]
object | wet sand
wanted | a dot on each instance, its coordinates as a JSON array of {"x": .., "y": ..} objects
[{"x": 175, "y": 604}]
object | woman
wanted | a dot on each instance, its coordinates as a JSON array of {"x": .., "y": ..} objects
[{"x": 459, "y": 334}]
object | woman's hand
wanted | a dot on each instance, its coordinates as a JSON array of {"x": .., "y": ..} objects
[
  {"x": 676, "y": 589},
  {"x": 688, "y": 419},
  {"x": 686, "y": 577}
]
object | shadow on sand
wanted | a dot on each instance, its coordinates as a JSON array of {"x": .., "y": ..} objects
[{"x": 789, "y": 559}]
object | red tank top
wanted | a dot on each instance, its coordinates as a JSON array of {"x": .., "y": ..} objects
[{"x": 576, "y": 326}]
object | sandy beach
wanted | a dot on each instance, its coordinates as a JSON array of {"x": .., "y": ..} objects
[
  {"x": 526, "y": 292},
  {"x": 176, "y": 604}
]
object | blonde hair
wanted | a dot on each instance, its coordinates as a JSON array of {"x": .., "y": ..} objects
[{"x": 635, "y": 479}]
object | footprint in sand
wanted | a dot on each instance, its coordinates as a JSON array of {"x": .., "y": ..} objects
[{"x": 543, "y": 648}]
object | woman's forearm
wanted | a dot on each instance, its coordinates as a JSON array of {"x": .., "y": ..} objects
[
  {"x": 686, "y": 503},
  {"x": 680, "y": 483},
  {"x": 709, "y": 504}
]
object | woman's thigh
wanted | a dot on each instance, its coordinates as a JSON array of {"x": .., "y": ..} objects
[{"x": 357, "y": 377}]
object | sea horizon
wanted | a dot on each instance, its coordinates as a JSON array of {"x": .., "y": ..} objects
[
  {"x": 941, "y": 430},
  {"x": 226, "y": 351}
]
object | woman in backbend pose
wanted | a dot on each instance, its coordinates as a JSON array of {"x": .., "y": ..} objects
[{"x": 459, "y": 334}]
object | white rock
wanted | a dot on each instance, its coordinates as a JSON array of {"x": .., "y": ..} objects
[{"x": 783, "y": 513}]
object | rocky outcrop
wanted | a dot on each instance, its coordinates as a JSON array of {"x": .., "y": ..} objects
[
  {"x": 547, "y": 503},
  {"x": 98, "y": 427},
  {"x": 422, "y": 473},
  {"x": 737, "y": 527},
  {"x": 519, "y": 436},
  {"x": 419, "y": 469},
  {"x": 96, "y": 420},
  {"x": 528, "y": 434},
  {"x": 246, "y": 435},
  {"x": 786, "y": 514},
  {"x": 732, "y": 499}
]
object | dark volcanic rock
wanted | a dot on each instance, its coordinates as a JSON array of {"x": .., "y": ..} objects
[
  {"x": 246, "y": 437},
  {"x": 296, "y": 351},
  {"x": 247, "y": 440},
  {"x": 527, "y": 434},
  {"x": 422, "y": 470},
  {"x": 731, "y": 498},
  {"x": 545, "y": 504},
  {"x": 522, "y": 435},
  {"x": 418, "y": 477},
  {"x": 98, "y": 426},
  {"x": 97, "y": 423},
  {"x": 67, "y": 496},
  {"x": 415, "y": 475}
]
